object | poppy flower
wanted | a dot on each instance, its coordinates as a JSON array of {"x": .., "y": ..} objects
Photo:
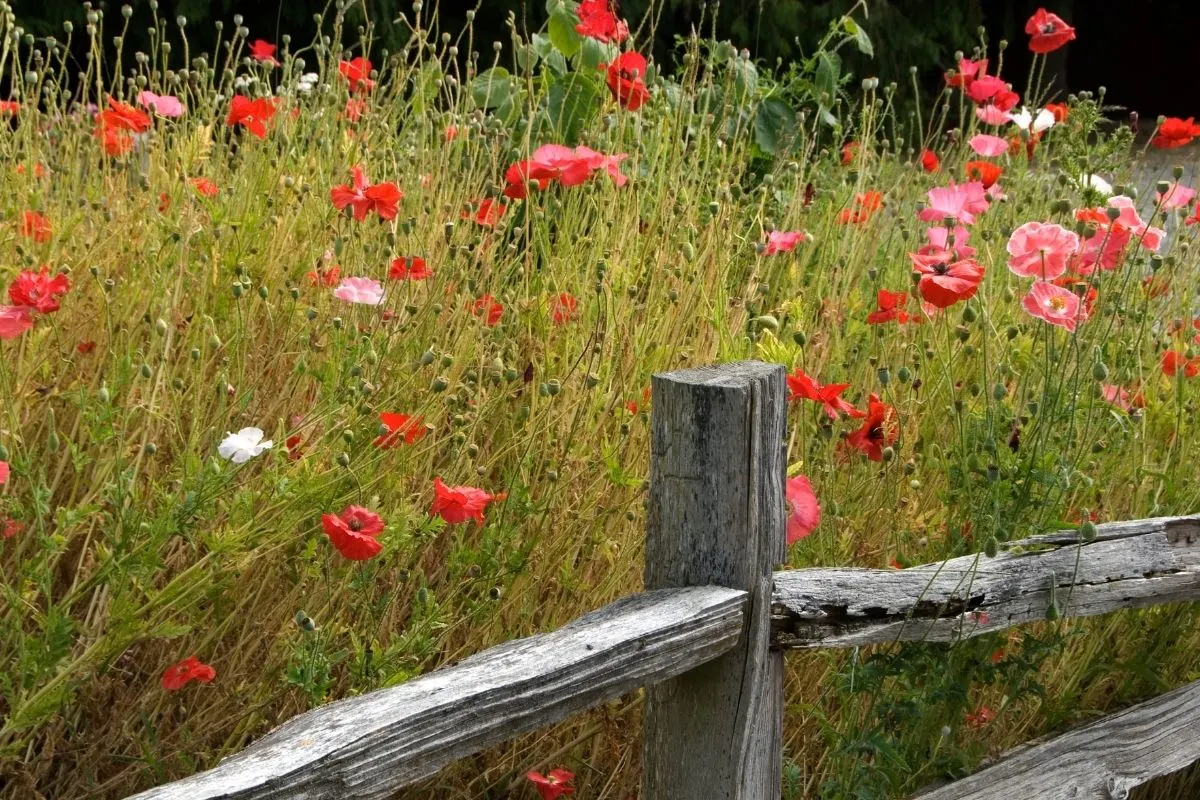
[
  {"x": 929, "y": 161},
  {"x": 1121, "y": 397},
  {"x": 263, "y": 52},
  {"x": 941, "y": 238},
  {"x": 1080, "y": 287},
  {"x": 164, "y": 105},
  {"x": 85, "y": 347},
  {"x": 457, "y": 504},
  {"x": 784, "y": 241},
  {"x": 1026, "y": 120},
  {"x": 802, "y": 386},
  {"x": 563, "y": 308},
  {"x": 4, "y": 472},
  {"x": 11, "y": 528},
  {"x": 1047, "y": 32},
  {"x": 804, "y": 512},
  {"x": 488, "y": 309},
  {"x": 597, "y": 20},
  {"x": 1054, "y": 304},
  {"x": 849, "y": 152},
  {"x": 253, "y": 115},
  {"x": 38, "y": 291},
  {"x": 400, "y": 428},
  {"x": 1195, "y": 218},
  {"x": 1175, "y": 132},
  {"x": 555, "y": 162},
  {"x": 1174, "y": 361},
  {"x": 626, "y": 80},
  {"x": 363, "y": 291},
  {"x": 123, "y": 116},
  {"x": 960, "y": 202},
  {"x": 10, "y": 107},
  {"x": 36, "y": 226},
  {"x": 865, "y": 204},
  {"x": 987, "y": 145},
  {"x": 1059, "y": 110},
  {"x": 1144, "y": 234},
  {"x": 890, "y": 308},
  {"x": 325, "y": 277},
  {"x": 412, "y": 268},
  {"x": 294, "y": 451},
  {"x": 967, "y": 73},
  {"x": 992, "y": 114},
  {"x": 205, "y": 187},
  {"x": 14, "y": 320},
  {"x": 944, "y": 282},
  {"x": 1041, "y": 250},
  {"x": 985, "y": 172},
  {"x": 487, "y": 213},
  {"x": 363, "y": 197},
  {"x": 1176, "y": 196},
  {"x": 355, "y": 108},
  {"x": 244, "y": 445},
  {"x": 180, "y": 674},
  {"x": 353, "y": 532},
  {"x": 357, "y": 71},
  {"x": 879, "y": 430}
]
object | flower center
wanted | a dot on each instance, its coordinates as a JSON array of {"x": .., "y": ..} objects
[
  {"x": 1048, "y": 27},
  {"x": 356, "y": 525},
  {"x": 1056, "y": 304}
]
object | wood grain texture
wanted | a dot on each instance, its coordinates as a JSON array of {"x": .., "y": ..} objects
[
  {"x": 717, "y": 516},
  {"x": 371, "y": 745},
  {"x": 1101, "y": 761},
  {"x": 1127, "y": 565}
]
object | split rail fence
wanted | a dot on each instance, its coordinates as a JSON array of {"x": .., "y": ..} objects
[{"x": 707, "y": 638}]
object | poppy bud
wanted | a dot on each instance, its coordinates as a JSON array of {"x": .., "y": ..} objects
[
  {"x": 1011, "y": 332},
  {"x": 999, "y": 392},
  {"x": 1112, "y": 213},
  {"x": 1099, "y": 371},
  {"x": 990, "y": 547},
  {"x": 102, "y": 394},
  {"x": 146, "y": 371},
  {"x": 1156, "y": 262},
  {"x": 765, "y": 322},
  {"x": 52, "y": 441},
  {"x": 968, "y": 314},
  {"x": 511, "y": 374},
  {"x": 150, "y": 448},
  {"x": 214, "y": 342},
  {"x": 160, "y": 327},
  {"x": 343, "y": 459},
  {"x": 337, "y": 323},
  {"x": 1032, "y": 406},
  {"x": 3, "y": 453},
  {"x": 799, "y": 338},
  {"x": 889, "y": 455},
  {"x": 448, "y": 231}
]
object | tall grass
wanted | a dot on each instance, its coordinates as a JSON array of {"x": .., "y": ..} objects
[{"x": 190, "y": 316}]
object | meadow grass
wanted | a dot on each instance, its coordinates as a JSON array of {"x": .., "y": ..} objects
[{"x": 130, "y": 544}]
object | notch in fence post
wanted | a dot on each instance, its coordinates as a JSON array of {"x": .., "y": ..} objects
[{"x": 717, "y": 516}]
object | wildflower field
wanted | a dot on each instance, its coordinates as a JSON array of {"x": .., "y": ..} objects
[{"x": 323, "y": 366}]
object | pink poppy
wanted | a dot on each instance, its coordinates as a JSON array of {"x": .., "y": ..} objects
[
  {"x": 988, "y": 146},
  {"x": 4, "y": 471},
  {"x": 960, "y": 202},
  {"x": 1147, "y": 236},
  {"x": 992, "y": 115},
  {"x": 365, "y": 291},
  {"x": 163, "y": 105},
  {"x": 1041, "y": 250},
  {"x": 1176, "y": 196},
  {"x": 1121, "y": 397},
  {"x": 1054, "y": 304},
  {"x": 804, "y": 512},
  {"x": 14, "y": 320},
  {"x": 967, "y": 73},
  {"x": 784, "y": 241},
  {"x": 942, "y": 238}
]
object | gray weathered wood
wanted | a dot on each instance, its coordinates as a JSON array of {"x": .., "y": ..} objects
[
  {"x": 717, "y": 516},
  {"x": 1101, "y": 761},
  {"x": 369, "y": 746},
  {"x": 1128, "y": 564}
]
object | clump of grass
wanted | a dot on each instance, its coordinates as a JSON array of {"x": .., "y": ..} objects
[{"x": 130, "y": 543}]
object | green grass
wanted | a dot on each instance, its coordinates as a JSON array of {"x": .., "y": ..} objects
[{"x": 141, "y": 546}]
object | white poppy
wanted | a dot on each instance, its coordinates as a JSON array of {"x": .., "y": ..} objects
[
  {"x": 244, "y": 445},
  {"x": 1025, "y": 120},
  {"x": 1099, "y": 184}
]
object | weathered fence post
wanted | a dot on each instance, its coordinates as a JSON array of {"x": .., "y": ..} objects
[{"x": 717, "y": 516}]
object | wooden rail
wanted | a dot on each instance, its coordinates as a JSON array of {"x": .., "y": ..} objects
[{"x": 708, "y": 636}]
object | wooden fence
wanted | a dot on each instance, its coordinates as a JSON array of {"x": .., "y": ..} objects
[{"x": 708, "y": 635}]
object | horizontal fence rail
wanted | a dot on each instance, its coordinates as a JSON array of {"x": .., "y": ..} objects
[
  {"x": 371, "y": 745},
  {"x": 1127, "y": 565},
  {"x": 1106, "y": 759},
  {"x": 708, "y": 638}
]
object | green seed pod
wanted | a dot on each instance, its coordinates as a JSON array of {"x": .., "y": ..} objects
[
  {"x": 310, "y": 314},
  {"x": 592, "y": 380},
  {"x": 214, "y": 342},
  {"x": 427, "y": 358},
  {"x": 294, "y": 293},
  {"x": 194, "y": 353},
  {"x": 904, "y": 375},
  {"x": 1011, "y": 332},
  {"x": 511, "y": 374},
  {"x": 348, "y": 435},
  {"x": 262, "y": 292},
  {"x": 3, "y": 453},
  {"x": 447, "y": 360},
  {"x": 999, "y": 392},
  {"x": 343, "y": 459},
  {"x": 554, "y": 387},
  {"x": 799, "y": 338},
  {"x": 150, "y": 448},
  {"x": 337, "y": 323},
  {"x": 236, "y": 289},
  {"x": 178, "y": 384},
  {"x": 146, "y": 371},
  {"x": 355, "y": 371},
  {"x": 889, "y": 454},
  {"x": 968, "y": 314},
  {"x": 885, "y": 377},
  {"x": 439, "y": 384}
]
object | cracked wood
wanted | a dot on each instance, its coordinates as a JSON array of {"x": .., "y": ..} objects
[
  {"x": 1128, "y": 564},
  {"x": 371, "y": 745}
]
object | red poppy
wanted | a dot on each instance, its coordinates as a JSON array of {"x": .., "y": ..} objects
[
  {"x": 400, "y": 428},
  {"x": 487, "y": 213},
  {"x": 967, "y": 73},
  {"x": 865, "y": 204},
  {"x": 1047, "y": 32},
  {"x": 355, "y": 108},
  {"x": 253, "y": 115},
  {"x": 802, "y": 386},
  {"x": 980, "y": 717},
  {"x": 164, "y": 202},
  {"x": 294, "y": 450},
  {"x": 412, "y": 268},
  {"x": 563, "y": 308},
  {"x": 488, "y": 309},
  {"x": 1174, "y": 361},
  {"x": 37, "y": 290},
  {"x": 985, "y": 172},
  {"x": 944, "y": 282},
  {"x": 597, "y": 20},
  {"x": 1175, "y": 132},
  {"x": 357, "y": 72},
  {"x": 85, "y": 347},
  {"x": 354, "y": 532},
  {"x": 849, "y": 152},
  {"x": 929, "y": 161},
  {"x": 11, "y": 107},
  {"x": 36, "y": 226},
  {"x": 457, "y": 504},
  {"x": 263, "y": 52},
  {"x": 11, "y": 528},
  {"x": 626, "y": 80},
  {"x": 180, "y": 674},
  {"x": 879, "y": 430},
  {"x": 124, "y": 117},
  {"x": 1059, "y": 110},
  {"x": 4, "y": 472},
  {"x": 552, "y": 785},
  {"x": 205, "y": 187},
  {"x": 325, "y": 277},
  {"x": 890, "y": 307},
  {"x": 364, "y": 197}
]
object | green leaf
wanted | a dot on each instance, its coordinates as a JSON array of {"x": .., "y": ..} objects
[
  {"x": 594, "y": 52},
  {"x": 574, "y": 100},
  {"x": 745, "y": 79},
  {"x": 491, "y": 88},
  {"x": 774, "y": 125},
  {"x": 550, "y": 56},
  {"x": 829, "y": 73},
  {"x": 562, "y": 31},
  {"x": 861, "y": 40}
]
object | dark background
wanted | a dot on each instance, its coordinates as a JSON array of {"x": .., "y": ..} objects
[{"x": 1143, "y": 51}]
